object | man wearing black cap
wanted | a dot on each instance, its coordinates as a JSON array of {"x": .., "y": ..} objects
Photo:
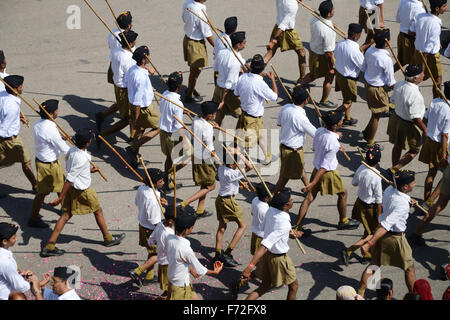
[
  {"x": 294, "y": 126},
  {"x": 10, "y": 279},
  {"x": 229, "y": 69},
  {"x": 276, "y": 266},
  {"x": 378, "y": 73},
  {"x": 405, "y": 128},
  {"x": 77, "y": 195},
  {"x": 322, "y": 45},
  {"x": 253, "y": 91},
  {"x": 61, "y": 289},
  {"x": 325, "y": 176},
  {"x": 12, "y": 148},
  {"x": 3, "y": 73},
  {"x": 182, "y": 260},
  {"x": 48, "y": 144},
  {"x": 390, "y": 247},
  {"x": 367, "y": 207},
  {"x": 427, "y": 30},
  {"x": 230, "y": 25},
  {"x": 140, "y": 96},
  {"x": 203, "y": 167}
]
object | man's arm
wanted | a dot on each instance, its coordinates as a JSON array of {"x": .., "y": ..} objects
[
  {"x": 418, "y": 122},
  {"x": 329, "y": 56},
  {"x": 317, "y": 178},
  {"x": 444, "y": 144},
  {"x": 380, "y": 6},
  {"x": 211, "y": 40},
  {"x": 258, "y": 255},
  {"x": 66, "y": 187},
  {"x": 381, "y": 231},
  {"x": 271, "y": 76}
]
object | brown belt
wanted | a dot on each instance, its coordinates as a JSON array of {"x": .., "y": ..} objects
[
  {"x": 408, "y": 35},
  {"x": 292, "y": 149},
  {"x": 395, "y": 233},
  {"x": 47, "y": 162},
  {"x": 9, "y": 138},
  {"x": 249, "y": 115}
]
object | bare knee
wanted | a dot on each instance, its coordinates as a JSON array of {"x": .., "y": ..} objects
[{"x": 293, "y": 286}]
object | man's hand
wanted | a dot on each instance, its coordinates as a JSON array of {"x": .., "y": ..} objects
[
  {"x": 271, "y": 75},
  {"x": 246, "y": 273},
  {"x": 413, "y": 202},
  {"x": 56, "y": 202},
  {"x": 95, "y": 169},
  {"x": 244, "y": 185},
  {"x": 296, "y": 234},
  {"x": 25, "y": 121},
  {"x": 308, "y": 188},
  {"x": 46, "y": 279},
  {"x": 331, "y": 71},
  {"x": 365, "y": 248},
  {"x": 164, "y": 202},
  {"x": 218, "y": 266},
  {"x": 271, "y": 44},
  {"x": 150, "y": 70},
  {"x": 214, "y": 124},
  {"x": 443, "y": 163},
  {"x": 340, "y": 134}
]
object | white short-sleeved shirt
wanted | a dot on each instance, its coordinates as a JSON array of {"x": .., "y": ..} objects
[
  {"x": 228, "y": 67},
  {"x": 277, "y": 226},
  {"x": 229, "y": 181},
  {"x": 349, "y": 59},
  {"x": 438, "y": 115},
  {"x": 253, "y": 91},
  {"x": 395, "y": 210},
  {"x": 167, "y": 122},
  {"x": 159, "y": 236},
  {"x": 149, "y": 211},
  {"x": 323, "y": 39},
  {"x": 294, "y": 126},
  {"x": 10, "y": 279},
  {"x": 447, "y": 51},
  {"x": 69, "y": 295},
  {"x": 113, "y": 43},
  {"x": 78, "y": 168},
  {"x": 427, "y": 27},
  {"x": 218, "y": 46},
  {"x": 259, "y": 210},
  {"x": 9, "y": 115},
  {"x": 378, "y": 68},
  {"x": 407, "y": 12},
  {"x": 370, "y": 4},
  {"x": 408, "y": 100},
  {"x": 370, "y": 189},
  {"x": 205, "y": 131},
  {"x": 121, "y": 61},
  {"x": 180, "y": 256},
  {"x": 47, "y": 141},
  {"x": 139, "y": 85},
  {"x": 3, "y": 75},
  {"x": 325, "y": 146},
  {"x": 195, "y": 28},
  {"x": 286, "y": 13}
]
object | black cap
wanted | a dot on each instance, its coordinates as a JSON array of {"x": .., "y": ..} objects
[
  {"x": 140, "y": 53},
  {"x": 63, "y": 273},
  {"x": 185, "y": 220},
  {"x": 403, "y": 177},
  {"x": 281, "y": 199},
  {"x": 14, "y": 81},
  {"x": 131, "y": 36},
  {"x": 156, "y": 175},
  {"x": 386, "y": 286},
  {"x": 325, "y": 8},
  {"x": 381, "y": 36},
  {"x": 299, "y": 95},
  {"x": 261, "y": 190},
  {"x": 354, "y": 28},
  {"x": 7, "y": 230},
  {"x": 437, "y": 3},
  {"x": 209, "y": 107},
  {"x": 169, "y": 213},
  {"x": 447, "y": 89},
  {"x": 237, "y": 37},
  {"x": 332, "y": 117},
  {"x": 413, "y": 70},
  {"x": 124, "y": 19},
  {"x": 257, "y": 65},
  {"x": 50, "y": 106},
  {"x": 230, "y": 25},
  {"x": 175, "y": 80},
  {"x": 373, "y": 155},
  {"x": 82, "y": 137}
]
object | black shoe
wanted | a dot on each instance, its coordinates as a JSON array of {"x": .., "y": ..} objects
[
  {"x": 365, "y": 260},
  {"x": 328, "y": 104},
  {"x": 204, "y": 214},
  {"x": 350, "y": 122},
  {"x": 116, "y": 239},
  {"x": 365, "y": 147},
  {"x": 345, "y": 257},
  {"x": 350, "y": 225},
  {"x": 37, "y": 223},
  {"x": 228, "y": 261},
  {"x": 99, "y": 120},
  {"x": 386, "y": 114},
  {"x": 52, "y": 253},
  {"x": 147, "y": 282},
  {"x": 196, "y": 94},
  {"x": 193, "y": 99},
  {"x": 363, "y": 136},
  {"x": 417, "y": 240},
  {"x": 135, "y": 277}
]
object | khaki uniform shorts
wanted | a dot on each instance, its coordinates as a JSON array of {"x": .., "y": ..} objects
[
  {"x": 195, "y": 53},
  {"x": 366, "y": 214},
  {"x": 288, "y": 40},
  {"x": 231, "y": 105},
  {"x": 406, "y": 49},
  {"x": 204, "y": 174},
  {"x": 392, "y": 250},
  {"x": 292, "y": 163},
  {"x": 110, "y": 76},
  {"x": 167, "y": 144},
  {"x": 434, "y": 63},
  {"x": 330, "y": 184},
  {"x": 318, "y": 64},
  {"x": 163, "y": 278},
  {"x": 50, "y": 177},
  {"x": 144, "y": 234},
  {"x": 180, "y": 293},
  {"x": 445, "y": 186},
  {"x": 404, "y": 134},
  {"x": 79, "y": 202},
  {"x": 12, "y": 151},
  {"x": 254, "y": 246},
  {"x": 348, "y": 88},
  {"x": 377, "y": 99},
  {"x": 148, "y": 118},
  {"x": 251, "y": 127},
  {"x": 431, "y": 153},
  {"x": 228, "y": 210},
  {"x": 277, "y": 270},
  {"x": 122, "y": 102}
]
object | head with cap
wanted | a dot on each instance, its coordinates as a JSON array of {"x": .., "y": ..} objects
[
  {"x": 130, "y": 37},
  {"x": 346, "y": 293},
  {"x": 422, "y": 287},
  {"x": 238, "y": 40},
  {"x": 373, "y": 155},
  {"x": 333, "y": 120},
  {"x": 60, "y": 279},
  {"x": 326, "y": 9},
  {"x": 175, "y": 81},
  {"x": 83, "y": 138},
  {"x": 414, "y": 73},
  {"x": 140, "y": 55},
  {"x": 282, "y": 200},
  {"x": 405, "y": 180},
  {"x": 447, "y": 89},
  {"x": 354, "y": 31},
  {"x": 230, "y": 25},
  {"x": 300, "y": 96},
  {"x": 169, "y": 216},
  {"x": 386, "y": 289},
  {"x": 380, "y": 38},
  {"x": 229, "y": 161},
  {"x": 257, "y": 65},
  {"x": 125, "y": 20},
  {"x": 8, "y": 234},
  {"x": 209, "y": 110},
  {"x": 438, "y": 6},
  {"x": 184, "y": 222},
  {"x": 16, "y": 82},
  {"x": 2, "y": 61},
  {"x": 51, "y": 106},
  {"x": 262, "y": 193},
  {"x": 157, "y": 176}
]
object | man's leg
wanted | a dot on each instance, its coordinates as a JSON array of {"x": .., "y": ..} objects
[
  {"x": 28, "y": 171},
  {"x": 435, "y": 91},
  {"x": 219, "y": 237},
  {"x": 100, "y": 219},
  {"x": 372, "y": 127},
  {"x": 327, "y": 87},
  {"x": 410, "y": 278},
  {"x": 301, "y": 53},
  {"x": 367, "y": 273},
  {"x": 37, "y": 205},
  {"x": 307, "y": 79},
  {"x": 281, "y": 183},
  {"x": 305, "y": 206},
  {"x": 144, "y": 138},
  {"x": 261, "y": 290},
  {"x": 433, "y": 212},
  {"x": 342, "y": 207},
  {"x": 193, "y": 77},
  {"x": 199, "y": 195},
  {"x": 396, "y": 154},
  {"x": 292, "y": 290},
  {"x": 407, "y": 158},
  {"x": 122, "y": 123},
  {"x": 270, "y": 54},
  {"x": 57, "y": 230},
  {"x": 237, "y": 236}
]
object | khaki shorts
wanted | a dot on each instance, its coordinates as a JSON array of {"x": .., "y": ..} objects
[
  {"x": 180, "y": 293},
  {"x": 110, "y": 76},
  {"x": 362, "y": 19},
  {"x": 228, "y": 210},
  {"x": 122, "y": 102},
  {"x": 231, "y": 105},
  {"x": 392, "y": 250},
  {"x": 431, "y": 153},
  {"x": 251, "y": 127},
  {"x": 204, "y": 174},
  {"x": 318, "y": 64},
  {"x": 167, "y": 144},
  {"x": 292, "y": 163},
  {"x": 144, "y": 234},
  {"x": 348, "y": 88},
  {"x": 330, "y": 184},
  {"x": 288, "y": 40},
  {"x": 277, "y": 270},
  {"x": 406, "y": 48},
  {"x": 255, "y": 243},
  {"x": 445, "y": 186},
  {"x": 50, "y": 177},
  {"x": 377, "y": 99},
  {"x": 148, "y": 118},
  {"x": 163, "y": 278},
  {"x": 404, "y": 134},
  {"x": 366, "y": 214},
  {"x": 195, "y": 53},
  {"x": 434, "y": 63},
  {"x": 79, "y": 202},
  {"x": 12, "y": 151}
]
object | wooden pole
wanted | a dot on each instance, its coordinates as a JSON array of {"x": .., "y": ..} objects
[
  {"x": 282, "y": 84},
  {"x": 395, "y": 57},
  {"x": 202, "y": 19},
  {"x": 152, "y": 185},
  {"x": 238, "y": 166},
  {"x": 27, "y": 122},
  {"x": 370, "y": 21},
  {"x": 103, "y": 21},
  {"x": 432, "y": 78},
  {"x": 424, "y": 6}
]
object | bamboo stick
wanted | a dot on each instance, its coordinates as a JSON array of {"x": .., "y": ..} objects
[
  {"x": 239, "y": 167},
  {"x": 282, "y": 84},
  {"x": 432, "y": 78}
]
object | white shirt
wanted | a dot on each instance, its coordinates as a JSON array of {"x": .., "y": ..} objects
[
  {"x": 9, "y": 115},
  {"x": 428, "y": 32},
  {"x": 277, "y": 226},
  {"x": 203, "y": 130},
  {"x": 3, "y": 75},
  {"x": 349, "y": 59},
  {"x": 325, "y": 147},
  {"x": 149, "y": 211},
  {"x": 438, "y": 115},
  {"x": 69, "y": 295},
  {"x": 294, "y": 125},
  {"x": 229, "y": 181},
  {"x": 180, "y": 256},
  {"x": 447, "y": 51},
  {"x": 78, "y": 168},
  {"x": 259, "y": 210},
  {"x": 218, "y": 46},
  {"x": 370, "y": 4},
  {"x": 113, "y": 44},
  {"x": 228, "y": 67},
  {"x": 323, "y": 39},
  {"x": 195, "y": 28},
  {"x": 395, "y": 210},
  {"x": 286, "y": 13},
  {"x": 378, "y": 68},
  {"x": 407, "y": 11},
  {"x": 140, "y": 89},
  {"x": 10, "y": 279},
  {"x": 159, "y": 236},
  {"x": 253, "y": 91},
  {"x": 370, "y": 190},
  {"x": 408, "y": 100},
  {"x": 47, "y": 141},
  {"x": 167, "y": 122},
  {"x": 121, "y": 61}
]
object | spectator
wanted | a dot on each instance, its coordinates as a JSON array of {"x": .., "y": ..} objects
[
  {"x": 423, "y": 288},
  {"x": 412, "y": 296},
  {"x": 386, "y": 290},
  {"x": 60, "y": 286},
  {"x": 347, "y": 293}
]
